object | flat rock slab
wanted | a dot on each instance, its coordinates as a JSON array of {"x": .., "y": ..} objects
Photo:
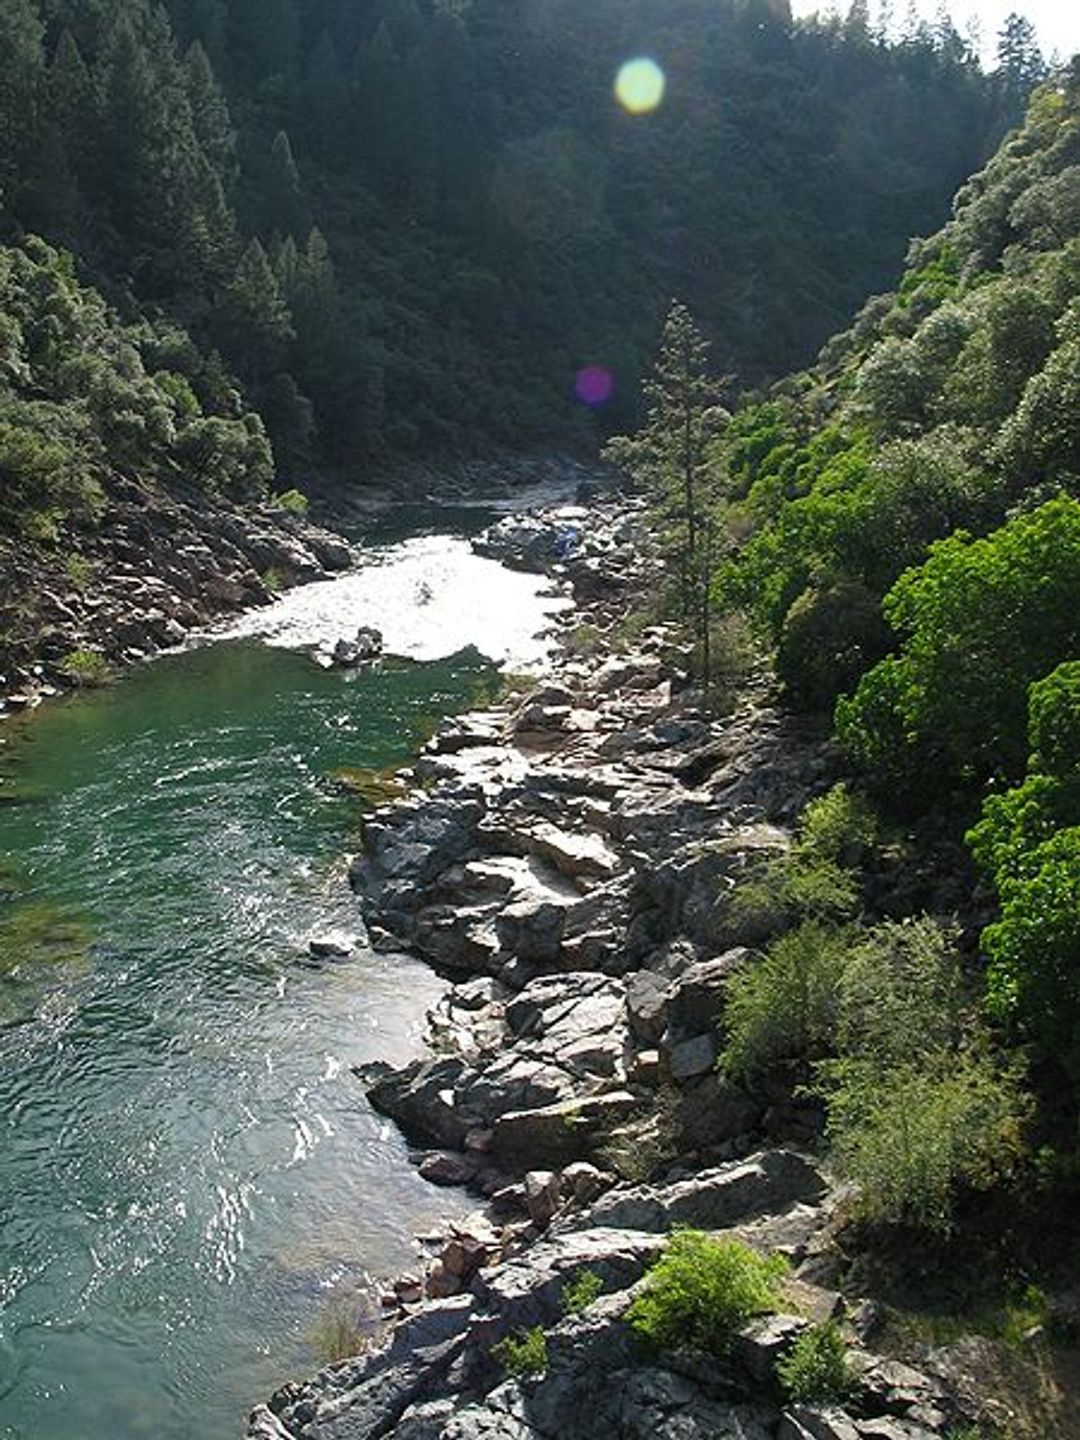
[{"x": 715, "y": 1199}]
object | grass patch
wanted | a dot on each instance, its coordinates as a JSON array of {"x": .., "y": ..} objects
[
  {"x": 344, "y": 1328},
  {"x": 702, "y": 1290}
]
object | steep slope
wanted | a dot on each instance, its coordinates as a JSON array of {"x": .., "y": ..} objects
[
  {"x": 410, "y": 225},
  {"x": 129, "y": 469},
  {"x": 950, "y": 404}
]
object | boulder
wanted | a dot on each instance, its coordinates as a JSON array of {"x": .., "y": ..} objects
[
  {"x": 647, "y": 995},
  {"x": 715, "y": 1199},
  {"x": 542, "y": 1196},
  {"x": 334, "y": 945},
  {"x": 263, "y": 1424},
  {"x": 567, "y": 1131},
  {"x": 445, "y": 1167},
  {"x": 688, "y": 1059},
  {"x": 532, "y": 928},
  {"x": 805, "y": 1422},
  {"x": 420, "y": 1098},
  {"x": 365, "y": 647},
  {"x": 698, "y": 995}
]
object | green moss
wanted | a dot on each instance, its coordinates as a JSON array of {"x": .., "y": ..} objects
[{"x": 374, "y": 787}]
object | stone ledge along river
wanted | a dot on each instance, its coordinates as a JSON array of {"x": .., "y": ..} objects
[{"x": 188, "y": 1172}]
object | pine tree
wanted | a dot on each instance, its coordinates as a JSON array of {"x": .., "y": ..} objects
[
  {"x": 22, "y": 63},
  {"x": 670, "y": 457},
  {"x": 1020, "y": 62},
  {"x": 285, "y": 210},
  {"x": 255, "y": 321},
  {"x": 210, "y": 115}
]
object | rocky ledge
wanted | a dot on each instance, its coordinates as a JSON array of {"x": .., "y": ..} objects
[
  {"x": 568, "y": 859},
  {"x": 158, "y": 567}
]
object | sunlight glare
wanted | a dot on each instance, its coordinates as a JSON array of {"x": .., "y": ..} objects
[{"x": 639, "y": 86}]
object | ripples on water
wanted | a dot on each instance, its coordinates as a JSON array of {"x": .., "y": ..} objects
[{"x": 188, "y": 1171}]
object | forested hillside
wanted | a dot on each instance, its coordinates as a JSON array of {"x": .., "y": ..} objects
[{"x": 409, "y": 225}]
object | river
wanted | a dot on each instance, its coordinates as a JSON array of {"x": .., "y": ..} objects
[{"x": 189, "y": 1174}]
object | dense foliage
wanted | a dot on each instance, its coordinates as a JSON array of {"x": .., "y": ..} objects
[
  {"x": 947, "y": 406},
  {"x": 85, "y": 398},
  {"x": 411, "y": 223},
  {"x": 1028, "y": 841}
]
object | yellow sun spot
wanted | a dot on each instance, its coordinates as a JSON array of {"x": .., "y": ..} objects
[{"x": 639, "y": 86}]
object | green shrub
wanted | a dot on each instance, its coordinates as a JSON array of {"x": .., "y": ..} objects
[
  {"x": 815, "y": 1369},
  {"x": 902, "y": 996},
  {"x": 78, "y": 570},
  {"x": 702, "y": 1290},
  {"x": 819, "y": 889},
  {"x": 914, "y": 1136},
  {"x": 839, "y": 825},
  {"x": 785, "y": 1007},
  {"x": 831, "y": 637},
  {"x": 523, "y": 1353},
  {"x": 294, "y": 501},
  {"x": 580, "y": 1293},
  {"x": 86, "y": 668}
]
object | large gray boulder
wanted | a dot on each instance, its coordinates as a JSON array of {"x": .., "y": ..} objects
[{"x": 715, "y": 1199}]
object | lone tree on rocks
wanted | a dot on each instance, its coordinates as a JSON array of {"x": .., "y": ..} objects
[{"x": 670, "y": 457}]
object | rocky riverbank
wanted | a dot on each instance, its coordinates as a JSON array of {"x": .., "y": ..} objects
[
  {"x": 159, "y": 567},
  {"x": 568, "y": 858}
]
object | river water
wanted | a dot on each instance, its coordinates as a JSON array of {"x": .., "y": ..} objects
[{"x": 189, "y": 1174}]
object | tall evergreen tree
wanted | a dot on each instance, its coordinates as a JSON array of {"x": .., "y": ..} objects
[
  {"x": 255, "y": 323},
  {"x": 22, "y": 63},
  {"x": 671, "y": 458},
  {"x": 285, "y": 208}
]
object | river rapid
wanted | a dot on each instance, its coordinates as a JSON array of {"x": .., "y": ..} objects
[{"x": 189, "y": 1174}]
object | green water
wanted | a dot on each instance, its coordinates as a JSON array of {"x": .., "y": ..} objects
[{"x": 188, "y": 1171}]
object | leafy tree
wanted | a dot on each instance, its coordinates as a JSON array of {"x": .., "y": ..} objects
[
  {"x": 981, "y": 620},
  {"x": 1028, "y": 842}
]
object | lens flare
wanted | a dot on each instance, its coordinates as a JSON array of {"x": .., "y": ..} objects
[
  {"x": 639, "y": 85},
  {"x": 594, "y": 386}
]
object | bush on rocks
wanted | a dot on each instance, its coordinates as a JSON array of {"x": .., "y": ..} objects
[
  {"x": 785, "y": 1007},
  {"x": 523, "y": 1353},
  {"x": 815, "y": 1369},
  {"x": 702, "y": 1290}
]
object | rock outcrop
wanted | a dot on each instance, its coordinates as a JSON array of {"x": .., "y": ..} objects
[
  {"x": 567, "y": 860},
  {"x": 159, "y": 567}
]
